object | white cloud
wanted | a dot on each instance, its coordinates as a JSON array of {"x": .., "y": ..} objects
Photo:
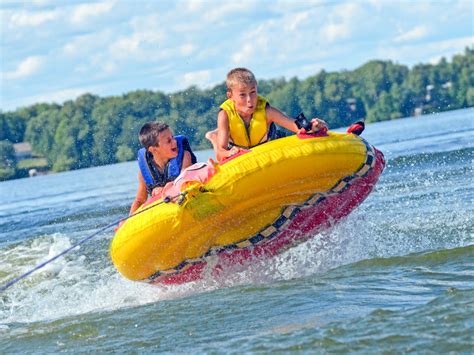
[
  {"x": 139, "y": 45},
  {"x": 145, "y": 40},
  {"x": 227, "y": 9},
  {"x": 448, "y": 48},
  {"x": 341, "y": 23},
  {"x": 99, "y": 66},
  {"x": 83, "y": 12},
  {"x": 204, "y": 54},
  {"x": 247, "y": 51},
  {"x": 194, "y": 6},
  {"x": 109, "y": 67},
  {"x": 422, "y": 52},
  {"x": 296, "y": 20},
  {"x": 377, "y": 4},
  {"x": 62, "y": 95},
  {"x": 81, "y": 45},
  {"x": 334, "y": 31},
  {"x": 125, "y": 46},
  {"x": 255, "y": 43},
  {"x": 415, "y": 33},
  {"x": 32, "y": 19},
  {"x": 147, "y": 22},
  {"x": 55, "y": 96},
  {"x": 307, "y": 70},
  {"x": 41, "y": 2},
  {"x": 200, "y": 78},
  {"x": 285, "y": 6},
  {"x": 25, "y": 68},
  {"x": 187, "y": 49}
]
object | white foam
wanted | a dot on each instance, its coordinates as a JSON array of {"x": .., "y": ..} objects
[{"x": 72, "y": 285}]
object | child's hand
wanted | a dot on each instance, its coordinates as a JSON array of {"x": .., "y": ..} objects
[
  {"x": 234, "y": 150},
  {"x": 156, "y": 191},
  {"x": 119, "y": 225},
  {"x": 317, "y": 126}
]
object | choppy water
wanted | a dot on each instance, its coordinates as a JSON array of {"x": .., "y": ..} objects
[{"x": 396, "y": 276}]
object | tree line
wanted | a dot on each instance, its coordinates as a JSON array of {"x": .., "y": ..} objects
[{"x": 92, "y": 131}]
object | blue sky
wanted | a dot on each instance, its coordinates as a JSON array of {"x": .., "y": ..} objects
[{"x": 53, "y": 51}]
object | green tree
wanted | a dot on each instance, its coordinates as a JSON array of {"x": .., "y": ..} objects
[
  {"x": 383, "y": 109},
  {"x": 309, "y": 92},
  {"x": 12, "y": 126},
  {"x": 286, "y": 98},
  {"x": 65, "y": 153},
  {"x": 93, "y": 131},
  {"x": 108, "y": 116},
  {"x": 7, "y": 160},
  {"x": 41, "y": 130},
  {"x": 375, "y": 77},
  {"x": 124, "y": 153}
]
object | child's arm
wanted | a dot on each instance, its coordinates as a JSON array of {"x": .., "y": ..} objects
[
  {"x": 187, "y": 161},
  {"x": 142, "y": 194},
  {"x": 275, "y": 115},
  {"x": 223, "y": 137}
]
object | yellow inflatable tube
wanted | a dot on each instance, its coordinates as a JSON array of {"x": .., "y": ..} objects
[{"x": 246, "y": 194}]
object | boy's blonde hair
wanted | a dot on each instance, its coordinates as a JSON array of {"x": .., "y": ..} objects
[{"x": 240, "y": 76}]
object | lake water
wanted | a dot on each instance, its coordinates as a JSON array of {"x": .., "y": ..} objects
[{"x": 397, "y": 275}]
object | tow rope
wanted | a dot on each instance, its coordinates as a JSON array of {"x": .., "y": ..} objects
[{"x": 82, "y": 241}]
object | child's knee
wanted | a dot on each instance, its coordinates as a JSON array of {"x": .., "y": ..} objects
[{"x": 211, "y": 135}]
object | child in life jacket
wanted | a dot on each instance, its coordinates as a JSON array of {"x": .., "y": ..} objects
[
  {"x": 245, "y": 118},
  {"x": 161, "y": 160}
]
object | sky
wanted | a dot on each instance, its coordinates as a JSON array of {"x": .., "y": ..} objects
[{"x": 57, "y": 50}]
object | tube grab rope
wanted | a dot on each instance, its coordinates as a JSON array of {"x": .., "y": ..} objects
[{"x": 64, "y": 252}]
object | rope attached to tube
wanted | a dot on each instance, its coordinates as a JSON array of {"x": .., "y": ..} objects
[{"x": 82, "y": 241}]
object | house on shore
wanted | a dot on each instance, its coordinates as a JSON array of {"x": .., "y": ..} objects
[
  {"x": 29, "y": 164},
  {"x": 23, "y": 151}
]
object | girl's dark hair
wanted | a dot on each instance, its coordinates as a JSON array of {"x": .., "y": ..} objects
[{"x": 149, "y": 133}]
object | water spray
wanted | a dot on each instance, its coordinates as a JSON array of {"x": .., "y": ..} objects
[{"x": 4, "y": 287}]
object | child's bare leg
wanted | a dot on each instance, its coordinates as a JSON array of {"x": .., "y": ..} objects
[{"x": 212, "y": 137}]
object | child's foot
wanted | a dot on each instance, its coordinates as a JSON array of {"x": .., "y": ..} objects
[{"x": 211, "y": 135}]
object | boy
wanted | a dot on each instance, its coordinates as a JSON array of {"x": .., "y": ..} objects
[
  {"x": 245, "y": 117},
  {"x": 161, "y": 160}
]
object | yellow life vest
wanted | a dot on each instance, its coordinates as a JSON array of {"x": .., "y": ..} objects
[{"x": 257, "y": 132}]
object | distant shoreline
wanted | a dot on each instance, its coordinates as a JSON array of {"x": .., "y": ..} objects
[{"x": 94, "y": 131}]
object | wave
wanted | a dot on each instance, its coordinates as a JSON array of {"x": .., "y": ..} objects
[
  {"x": 458, "y": 157},
  {"x": 454, "y": 256},
  {"x": 84, "y": 281},
  {"x": 428, "y": 135}
]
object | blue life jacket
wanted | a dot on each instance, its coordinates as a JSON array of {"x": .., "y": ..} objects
[{"x": 150, "y": 172}]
